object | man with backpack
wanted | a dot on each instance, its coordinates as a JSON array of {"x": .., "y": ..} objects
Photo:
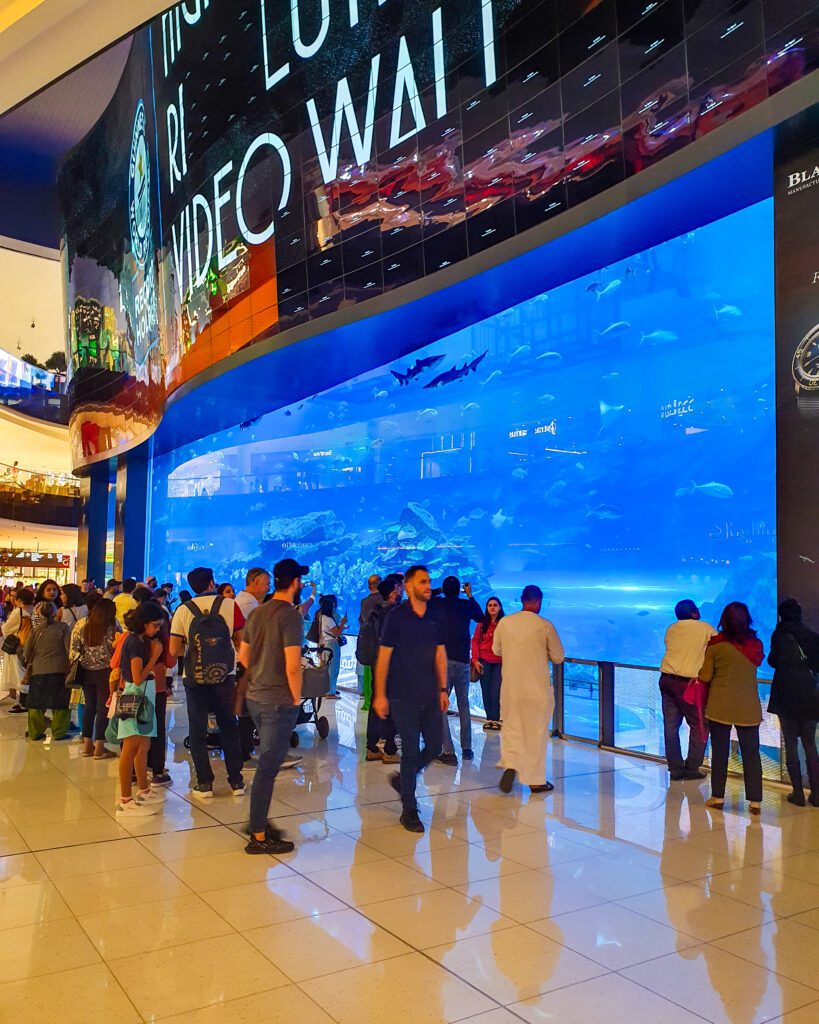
[
  {"x": 207, "y": 630},
  {"x": 367, "y": 653}
]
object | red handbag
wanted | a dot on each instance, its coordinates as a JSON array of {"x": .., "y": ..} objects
[{"x": 696, "y": 693}]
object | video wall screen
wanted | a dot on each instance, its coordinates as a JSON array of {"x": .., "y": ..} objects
[
  {"x": 264, "y": 164},
  {"x": 611, "y": 440}
]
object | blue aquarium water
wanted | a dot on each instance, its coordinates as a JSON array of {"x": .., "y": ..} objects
[{"x": 611, "y": 440}]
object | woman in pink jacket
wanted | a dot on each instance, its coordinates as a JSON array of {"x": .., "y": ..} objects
[{"x": 487, "y": 664}]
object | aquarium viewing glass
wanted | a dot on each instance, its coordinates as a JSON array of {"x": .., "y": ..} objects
[{"x": 611, "y": 440}]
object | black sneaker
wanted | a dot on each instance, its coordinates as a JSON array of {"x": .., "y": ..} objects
[
  {"x": 411, "y": 822},
  {"x": 677, "y": 776},
  {"x": 691, "y": 776},
  {"x": 269, "y": 845},
  {"x": 17, "y": 709},
  {"x": 204, "y": 791},
  {"x": 468, "y": 755},
  {"x": 507, "y": 780},
  {"x": 448, "y": 759},
  {"x": 395, "y": 782},
  {"x": 161, "y": 779},
  {"x": 796, "y": 798}
]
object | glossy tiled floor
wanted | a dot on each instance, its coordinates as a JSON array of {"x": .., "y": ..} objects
[{"x": 615, "y": 899}]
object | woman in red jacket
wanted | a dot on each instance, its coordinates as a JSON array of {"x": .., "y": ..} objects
[{"x": 487, "y": 664}]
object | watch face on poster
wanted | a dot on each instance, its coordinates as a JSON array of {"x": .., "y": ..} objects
[
  {"x": 806, "y": 374},
  {"x": 806, "y": 362}
]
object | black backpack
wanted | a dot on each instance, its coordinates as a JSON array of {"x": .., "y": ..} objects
[
  {"x": 210, "y": 655},
  {"x": 366, "y": 648}
]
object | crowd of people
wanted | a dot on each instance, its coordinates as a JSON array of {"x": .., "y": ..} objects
[
  {"x": 709, "y": 680},
  {"x": 115, "y": 654}
]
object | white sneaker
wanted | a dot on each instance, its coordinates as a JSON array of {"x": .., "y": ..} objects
[
  {"x": 151, "y": 796},
  {"x": 291, "y": 761},
  {"x": 135, "y": 809}
]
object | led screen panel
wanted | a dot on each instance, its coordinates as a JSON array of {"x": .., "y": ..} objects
[
  {"x": 304, "y": 158},
  {"x": 611, "y": 440}
]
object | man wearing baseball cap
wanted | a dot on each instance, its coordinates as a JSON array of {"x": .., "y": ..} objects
[{"x": 271, "y": 651}]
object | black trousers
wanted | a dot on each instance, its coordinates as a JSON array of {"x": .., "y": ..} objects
[
  {"x": 748, "y": 736},
  {"x": 157, "y": 750},
  {"x": 414, "y": 721},
  {"x": 381, "y": 729},
  {"x": 218, "y": 699},
  {"x": 794, "y": 730},
  {"x": 95, "y": 692}
]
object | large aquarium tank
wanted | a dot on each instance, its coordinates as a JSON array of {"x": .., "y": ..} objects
[{"x": 611, "y": 440}]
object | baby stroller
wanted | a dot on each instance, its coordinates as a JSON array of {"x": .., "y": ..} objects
[{"x": 315, "y": 663}]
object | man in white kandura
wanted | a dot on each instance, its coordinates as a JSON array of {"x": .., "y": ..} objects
[{"x": 527, "y": 643}]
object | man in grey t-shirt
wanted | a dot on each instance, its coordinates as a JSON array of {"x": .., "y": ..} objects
[{"x": 271, "y": 654}]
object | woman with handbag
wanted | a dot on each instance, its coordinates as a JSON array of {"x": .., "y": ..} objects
[
  {"x": 159, "y": 744},
  {"x": 15, "y": 631},
  {"x": 46, "y": 656},
  {"x": 794, "y": 658},
  {"x": 92, "y": 645},
  {"x": 331, "y": 637},
  {"x": 486, "y": 665},
  {"x": 731, "y": 660},
  {"x": 135, "y": 716}
]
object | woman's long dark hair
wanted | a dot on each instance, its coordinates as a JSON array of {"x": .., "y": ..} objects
[
  {"x": 327, "y": 605},
  {"x": 487, "y": 618},
  {"x": 38, "y": 597},
  {"x": 736, "y": 622},
  {"x": 100, "y": 624},
  {"x": 138, "y": 618},
  {"x": 74, "y": 597}
]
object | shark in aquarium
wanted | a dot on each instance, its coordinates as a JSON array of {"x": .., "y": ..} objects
[
  {"x": 416, "y": 369},
  {"x": 456, "y": 373}
]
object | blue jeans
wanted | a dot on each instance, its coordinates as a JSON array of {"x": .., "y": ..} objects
[
  {"x": 218, "y": 700},
  {"x": 457, "y": 678},
  {"x": 491, "y": 688},
  {"x": 413, "y": 721},
  {"x": 335, "y": 664},
  {"x": 274, "y": 723}
]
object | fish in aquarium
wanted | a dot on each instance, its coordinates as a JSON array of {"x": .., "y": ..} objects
[
  {"x": 416, "y": 369},
  {"x": 477, "y": 486},
  {"x": 615, "y": 329},
  {"x": 709, "y": 490},
  {"x": 610, "y": 288},
  {"x": 456, "y": 373},
  {"x": 659, "y": 338}
]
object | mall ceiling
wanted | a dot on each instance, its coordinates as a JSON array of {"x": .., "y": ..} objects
[{"x": 40, "y": 42}]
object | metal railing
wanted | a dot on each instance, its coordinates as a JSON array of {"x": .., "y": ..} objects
[
  {"x": 618, "y": 707},
  {"x": 14, "y": 479}
]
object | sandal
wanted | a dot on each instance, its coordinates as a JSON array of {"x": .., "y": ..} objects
[
  {"x": 105, "y": 756},
  {"x": 716, "y": 802}
]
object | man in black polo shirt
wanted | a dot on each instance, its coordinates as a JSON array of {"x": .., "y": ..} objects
[{"x": 410, "y": 682}]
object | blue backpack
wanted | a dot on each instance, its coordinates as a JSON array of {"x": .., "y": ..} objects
[{"x": 210, "y": 656}]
